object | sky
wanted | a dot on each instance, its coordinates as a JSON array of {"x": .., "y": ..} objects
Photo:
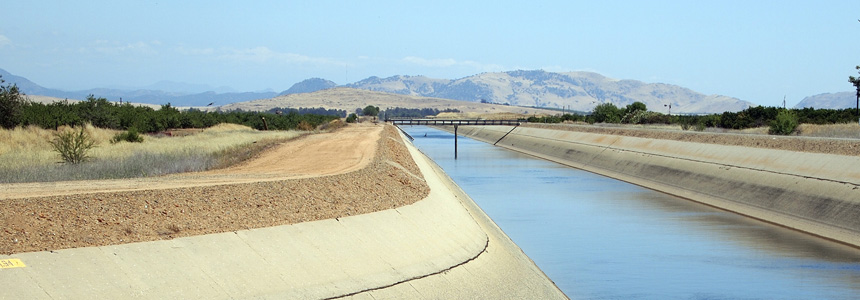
[{"x": 758, "y": 51}]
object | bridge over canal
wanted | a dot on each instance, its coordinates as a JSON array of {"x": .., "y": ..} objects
[{"x": 456, "y": 123}]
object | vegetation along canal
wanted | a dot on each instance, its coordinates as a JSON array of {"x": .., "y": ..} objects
[{"x": 601, "y": 238}]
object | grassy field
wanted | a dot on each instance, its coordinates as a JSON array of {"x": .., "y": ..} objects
[{"x": 26, "y": 154}]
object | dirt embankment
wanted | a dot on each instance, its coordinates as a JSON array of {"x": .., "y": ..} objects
[
  {"x": 790, "y": 143},
  {"x": 356, "y": 170}
]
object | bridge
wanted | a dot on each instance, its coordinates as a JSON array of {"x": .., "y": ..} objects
[
  {"x": 453, "y": 122},
  {"x": 456, "y": 123}
]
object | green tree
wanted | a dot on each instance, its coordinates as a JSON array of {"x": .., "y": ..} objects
[
  {"x": 606, "y": 113},
  {"x": 856, "y": 82},
  {"x": 636, "y": 106},
  {"x": 11, "y": 105},
  {"x": 370, "y": 110}
]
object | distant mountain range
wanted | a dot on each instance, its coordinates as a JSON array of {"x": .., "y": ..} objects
[
  {"x": 830, "y": 100},
  {"x": 179, "y": 97},
  {"x": 578, "y": 91}
]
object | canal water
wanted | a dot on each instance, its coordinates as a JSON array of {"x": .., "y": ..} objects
[{"x": 599, "y": 238}]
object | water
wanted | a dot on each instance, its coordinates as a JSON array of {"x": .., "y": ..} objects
[{"x": 600, "y": 238}]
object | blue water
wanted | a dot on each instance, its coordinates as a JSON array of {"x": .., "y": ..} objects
[{"x": 599, "y": 238}]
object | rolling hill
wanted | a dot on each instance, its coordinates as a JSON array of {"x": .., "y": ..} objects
[{"x": 579, "y": 91}]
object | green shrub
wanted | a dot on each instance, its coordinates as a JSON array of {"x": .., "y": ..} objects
[
  {"x": 784, "y": 124},
  {"x": 131, "y": 136},
  {"x": 73, "y": 145},
  {"x": 352, "y": 118}
]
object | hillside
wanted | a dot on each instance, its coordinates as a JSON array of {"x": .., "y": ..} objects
[
  {"x": 350, "y": 99},
  {"x": 573, "y": 90},
  {"x": 829, "y": 100},
  {"x": 309, "y": 86}
]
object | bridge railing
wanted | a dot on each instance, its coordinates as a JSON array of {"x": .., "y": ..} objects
[{"x": 454, "y": 122}]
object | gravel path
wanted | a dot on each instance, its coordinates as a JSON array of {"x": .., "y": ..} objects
[{"x": 350, "y": 179}]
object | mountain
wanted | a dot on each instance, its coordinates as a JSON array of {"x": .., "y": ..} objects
[
  {"x": 309, "y": 86},
  {"x": 150, "y": 96},
  {"x": 579, "y": 91},
  {"x": 25, "y": 85},
  {"x": 830, "y": 100}
]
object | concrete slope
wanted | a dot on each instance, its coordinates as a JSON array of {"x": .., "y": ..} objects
[
  {"x": 812, "y": 192},
  {"x": 440, "y": 247},
  {"x": 502, "y": 271}
]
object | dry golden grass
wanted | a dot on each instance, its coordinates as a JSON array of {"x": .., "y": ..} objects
[
  {"x": 349, "y": 99},
  {"x": 21, "y": 147},
  {"x": 850, "y": 130},
  {"x": 29, "y": 147}
]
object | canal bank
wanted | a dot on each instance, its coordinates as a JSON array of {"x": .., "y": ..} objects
[
  {"x": 442, "y": 246},
  {"x": 811, "y": 192}
]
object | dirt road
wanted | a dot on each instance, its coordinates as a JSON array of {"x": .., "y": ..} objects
[{"x": 339, "y": 152}]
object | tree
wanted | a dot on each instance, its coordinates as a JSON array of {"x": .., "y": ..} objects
[
  {"x": 856, "y": 82},
  {"x": 370, "y": 110},
  {"x": 636, "y": 106},
  {"x": 11, "y": 105},
  {"x": 606, "y": 113}
]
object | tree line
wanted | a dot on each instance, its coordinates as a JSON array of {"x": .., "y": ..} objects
[
  {"x": 759, "y": 116},
  {"x": 15, "y": 111},
  {"x": 309, "y": 111},
  {"x": 400, "y": 112}
]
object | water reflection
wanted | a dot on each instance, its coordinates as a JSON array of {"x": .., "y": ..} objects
[{"x": 601, "y": 238}]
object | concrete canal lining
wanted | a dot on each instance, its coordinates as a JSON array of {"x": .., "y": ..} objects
[
  {"x": 441, "y": 247},
  {"x": 811, "y": 192}
]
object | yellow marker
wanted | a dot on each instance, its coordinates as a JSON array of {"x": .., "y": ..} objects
[{"x": 11, "y": 263}]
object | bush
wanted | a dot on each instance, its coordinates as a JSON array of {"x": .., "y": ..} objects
[
  {"x": 73, "y": 145},
  {"x": 784, "y": 124},
  {"x": 305, "y": 126},
  {"x": 352, "y": 118},
  {"x": 334, "y": 124},
  {"x": 131, "y": 136}
]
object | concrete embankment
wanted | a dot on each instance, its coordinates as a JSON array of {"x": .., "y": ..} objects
[
  {"x": 441, "y": 247},
  {"x": 811, "y": 192}
]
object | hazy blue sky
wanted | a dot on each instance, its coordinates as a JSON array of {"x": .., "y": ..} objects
[{"x": 757, "y": 51}]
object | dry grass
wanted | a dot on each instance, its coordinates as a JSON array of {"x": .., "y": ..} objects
[
  {"x": 349, "y": 99},
  {"x": 850, "y": 130},
  {"x": 26, "y": 154}
]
